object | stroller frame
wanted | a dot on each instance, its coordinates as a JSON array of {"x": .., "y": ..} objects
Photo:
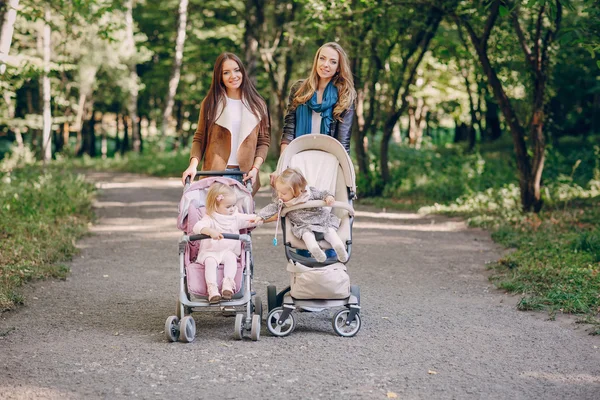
[
  {"x": 280, "y": 320},
  {"x": 247, "y": 307}
]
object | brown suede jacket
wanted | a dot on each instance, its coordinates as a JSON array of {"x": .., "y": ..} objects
[{"x": 212, "y": 145}]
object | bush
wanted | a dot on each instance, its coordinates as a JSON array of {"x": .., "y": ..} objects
[{"x": 42, "y": 213}]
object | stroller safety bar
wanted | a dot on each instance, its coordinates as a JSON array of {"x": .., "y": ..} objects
[{"x": 318, "y": 203}]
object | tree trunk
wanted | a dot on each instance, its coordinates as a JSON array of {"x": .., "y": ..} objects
[
  {"x": 104, "y": 138},
  {"x": 254, "y": 20},
  {"x": 88, "y": 133},
  {"x": 179, "y": 143},
  {"x": 492, "y": 121},
  {"x": 360, "y": 148},
  {"x": 117, "y": 133},
  {"x": 47, "y": 115},
  {"x": 133, "y": 77},
  {"x": 125, "y": 142},
  {"x": 176, "y": 72},
  {"x": 66, "y": 129},
  {"x": 472, "y": 134},
  {"x": 7, "y": 19}
]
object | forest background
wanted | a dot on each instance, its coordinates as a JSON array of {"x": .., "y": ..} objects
[{"x": 489, "y": 110}]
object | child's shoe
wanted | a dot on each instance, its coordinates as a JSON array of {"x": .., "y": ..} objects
[
  {"x": 318, "y": 254},
  {"x": 213, "y": 293},
  {"x": 228, "y": 288},
  {"x": 342, "y": 254}
]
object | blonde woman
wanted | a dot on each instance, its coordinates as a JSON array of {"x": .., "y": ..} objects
[
  {"x": 323, "y": 103},
  {"x": 233, "y": 127}
]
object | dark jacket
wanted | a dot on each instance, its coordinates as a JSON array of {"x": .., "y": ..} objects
[{"x": 341, "y": 130}]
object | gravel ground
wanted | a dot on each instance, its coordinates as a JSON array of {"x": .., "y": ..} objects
[{"x": 433, "y": 325}]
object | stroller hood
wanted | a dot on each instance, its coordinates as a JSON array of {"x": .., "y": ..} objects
[
  {"x": 324, "y": 143},
  {"x": 195, "y": 195}
]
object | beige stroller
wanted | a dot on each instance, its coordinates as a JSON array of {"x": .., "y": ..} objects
[{"x": 325, "y": 164}]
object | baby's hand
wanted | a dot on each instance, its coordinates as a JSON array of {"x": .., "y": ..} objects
[
  {"x": 257, "y": 220},
  {"x": 329, "y": 200},
  {"x": 213, "y": 233},
  {"x": 216, "y": 235}
]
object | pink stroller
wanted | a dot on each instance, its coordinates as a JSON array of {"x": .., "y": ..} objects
[{"x": 192, "y": 286}]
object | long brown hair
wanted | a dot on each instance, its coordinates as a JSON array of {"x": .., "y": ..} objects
[
  {"x": 342, "y": 80},
  {"x": 217, "y": 93}
]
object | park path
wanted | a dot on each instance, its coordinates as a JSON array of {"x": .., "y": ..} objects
[{"x": 433, "y": 325}]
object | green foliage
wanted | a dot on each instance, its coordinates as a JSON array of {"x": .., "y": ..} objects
[
  {"x": 556, "y": 262},
  {"x": 432, "y": 175},
  {"x": 42, "y": 212},
  {"x": 153, "y": 163}
]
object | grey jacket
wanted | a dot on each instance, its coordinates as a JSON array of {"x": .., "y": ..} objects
[
  {"x": 340, "y": 130},
  {"x": 317, "y": 219}
]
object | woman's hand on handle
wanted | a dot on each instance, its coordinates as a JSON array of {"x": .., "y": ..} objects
[
  {"x": 252, "y": 175},
  {"x": 190, "y": 171}
]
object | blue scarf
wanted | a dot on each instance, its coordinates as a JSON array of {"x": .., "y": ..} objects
[{"x": 304, "y": 111}]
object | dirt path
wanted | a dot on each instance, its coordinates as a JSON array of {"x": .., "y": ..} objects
[{"x": 433, "y": 326}]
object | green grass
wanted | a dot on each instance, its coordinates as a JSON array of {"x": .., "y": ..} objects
[
  {"x": 556, "y": 262},
  {"x": 42, "y": 213}
]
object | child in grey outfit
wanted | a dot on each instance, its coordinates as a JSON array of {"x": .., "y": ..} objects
[{"x": 292, "y": 189}]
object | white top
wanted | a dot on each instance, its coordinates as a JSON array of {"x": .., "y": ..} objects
[
  {"x": 316, "y": 122},
  {"x": 234, "y": 110}
]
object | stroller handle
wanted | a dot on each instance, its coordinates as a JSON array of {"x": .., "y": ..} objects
[
  {"x": 212, "y": 173},
  {"x": 318, "y": 203}
]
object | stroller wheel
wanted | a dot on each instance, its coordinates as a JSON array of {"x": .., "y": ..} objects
[
  {"x": 280, "y": 330},
  {"x": 238, "y": 329},
  {"x": 172, "y": 328},
  {"x": 187, "y": 328},
  {"x": 271, "y": 297},
  {"x": 255, "y": 330},
  {"x": 258, "y": 307},
  {"x": 341, "y": 328}
]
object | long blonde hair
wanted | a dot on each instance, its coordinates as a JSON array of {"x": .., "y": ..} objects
[
  {"x": 294, "y": 179},
  {"x": 212, "y": 197},
  {"x": 343, "y": 80}
]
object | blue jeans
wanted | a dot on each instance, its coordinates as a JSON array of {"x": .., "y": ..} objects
[{"x": 236, "y": 177}]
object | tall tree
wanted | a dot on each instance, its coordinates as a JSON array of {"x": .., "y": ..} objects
[
  {"x": 132, "y": 106},
  {"x": 8, "y": 15},
  {"x": 176, "y": 71},
  {"x": 47, "y": 115},
  {"x": 543, "y": 19}
]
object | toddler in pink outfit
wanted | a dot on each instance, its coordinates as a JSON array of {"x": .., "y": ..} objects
[{"x": 221, "y": 217}]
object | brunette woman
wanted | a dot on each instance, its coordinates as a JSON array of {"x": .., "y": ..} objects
[{"x": 233, "y": 127}]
